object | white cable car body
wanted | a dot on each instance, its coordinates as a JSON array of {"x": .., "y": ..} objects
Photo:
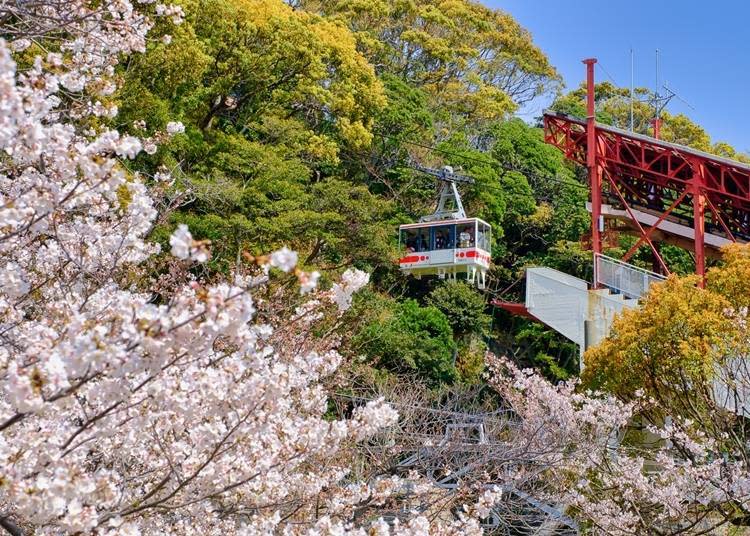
[{"x": 447, "y": 243}]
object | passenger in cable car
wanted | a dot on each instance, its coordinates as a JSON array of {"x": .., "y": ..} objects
[
  {"x": 440, "y": 242},
  {"x": 465, "y": 237}
]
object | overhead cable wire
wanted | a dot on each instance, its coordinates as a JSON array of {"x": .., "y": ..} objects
[
  {"x": 606, "y": 73},
  {"x": 507, "y": 167}
]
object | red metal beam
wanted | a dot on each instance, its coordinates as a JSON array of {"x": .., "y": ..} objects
[
  {"x": 647, "y": 234},
  {"x": 665, "y": 179},
  {"x": 644, "y": 235},
  {"x": 592, "y": 162},
  {"x": 656, "y": 122},
  {"x": 718, "y": 217},
  {"x": 659, "y": 162},
  {"x": 699, "y": 220},
  {"x": 518, "y": 309}
]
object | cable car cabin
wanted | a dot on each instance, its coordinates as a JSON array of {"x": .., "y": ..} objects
[{"x": 446, "y": 248}]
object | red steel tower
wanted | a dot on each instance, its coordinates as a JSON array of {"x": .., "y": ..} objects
[{"x": 658, "y": 191}]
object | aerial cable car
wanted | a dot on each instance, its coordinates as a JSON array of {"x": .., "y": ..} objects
[{"x": 447, "y": 243}]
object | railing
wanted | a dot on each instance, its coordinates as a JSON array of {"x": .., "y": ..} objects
[{"x": 630, "y": 281}]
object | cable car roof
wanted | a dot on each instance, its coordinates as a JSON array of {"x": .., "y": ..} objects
[{"x": 441, "y": 222}]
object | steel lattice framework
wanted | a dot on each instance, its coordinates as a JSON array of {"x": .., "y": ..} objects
[
  {"x": 456, "y": 448},
  {"x": 663, "y": 192}
]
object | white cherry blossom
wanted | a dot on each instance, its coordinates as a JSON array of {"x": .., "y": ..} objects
[
  {"x": 284, "y": 259},
  {"x": 184, "y": 247},
  {"x": 308, "y": 281},
  {"x": 121, "y": 413},
  {"x": 181, "y": 242},
  {"x": 351, "y": 281},
  {"x": 175, "y": 127}
]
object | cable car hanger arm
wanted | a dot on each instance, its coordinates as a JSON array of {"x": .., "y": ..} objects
[{"x": 448, "y": 193}]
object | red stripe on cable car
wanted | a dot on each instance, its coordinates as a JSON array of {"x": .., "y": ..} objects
[{"x": 411, "y": 258}]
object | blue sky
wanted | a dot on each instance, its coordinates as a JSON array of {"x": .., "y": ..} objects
[{"x": 703, "y": 48}]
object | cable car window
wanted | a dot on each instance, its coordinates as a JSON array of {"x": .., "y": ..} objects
[
  {"x": 465, "y": 233},
  {"x": 408, "y": 240},
  {"x": 483, "y": 238},
  {"x": 443, "y": 236},
  {"x": 415, "y": 240},
  {"x": 423, "y": 239}
]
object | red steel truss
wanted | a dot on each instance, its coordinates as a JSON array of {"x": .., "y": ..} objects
[
  {"x": 642, "y": 175},
  {"x": 659, "y": 191}
]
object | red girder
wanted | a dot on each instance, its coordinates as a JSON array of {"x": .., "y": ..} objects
[
  {"x": 668, "y": 180},
  {"x": 646, "y": 159},
  {"x": 518, "y": 309}
]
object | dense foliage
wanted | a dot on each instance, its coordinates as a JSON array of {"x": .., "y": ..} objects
[
  {"x": 407, "y": 339},
  {"x": 302, "y": 121},
  {"x": 476, "y": 64}
]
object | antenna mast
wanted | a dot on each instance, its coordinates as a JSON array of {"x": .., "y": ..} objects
[
  {"x": 659, "y": 101},
  {"x": 632, "y": 125}
]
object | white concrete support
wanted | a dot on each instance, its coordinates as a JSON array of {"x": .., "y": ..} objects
[
  {"x": 558, "y": 300},
  {"x": 566, "y": 304},
  {"x": 585, "y": 317}
]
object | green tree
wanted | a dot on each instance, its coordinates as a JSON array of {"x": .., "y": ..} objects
[
  {"x": 409, "y": 339},
  {"x": 303, "y": 117},
  {"x": 384, "y": 165},
  {"x": 547, "y": 204},
  {"x": 682, "y": 130},
  {"x": 463, "y": 306},
  {"x": 465, "y": 309},
  {"x": 476, "y": 63},
  {"x": 547, "y": 351},
  {"x": 270, "y": 97},
  {"x": 612, "y": 105}
]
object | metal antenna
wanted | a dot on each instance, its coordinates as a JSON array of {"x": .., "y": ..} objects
[
  {"x": 659, "y": 101},
  {"x": 448, "y": 192},
  {"x": 632, "y": 127},
  {"x": 656, "y": 87}
]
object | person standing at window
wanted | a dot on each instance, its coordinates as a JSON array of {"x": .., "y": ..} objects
[{"x": 440, "y": 241}]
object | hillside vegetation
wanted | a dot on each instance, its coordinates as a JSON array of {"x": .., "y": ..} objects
[{"x": 303, "y": 120}]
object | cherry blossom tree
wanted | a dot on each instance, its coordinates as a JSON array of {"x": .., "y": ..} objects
[
  {"x": 564, "y": 459},
  {"x": 122, "y": 410},
  {"x": 616, "y": 477},
  {"x": 131, "y": 403}
]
